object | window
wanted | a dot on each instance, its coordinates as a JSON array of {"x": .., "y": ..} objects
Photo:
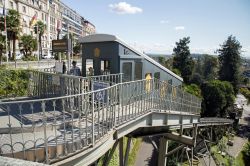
[
  {"x": 24, "y": 23},
  {"x": 11, "y": 5},
  {"x": 170, "y": 81},
  {"x": 138, "y": 70},
  {"x": 127, "y": 70},
  {"x": 24, "y": 9},
  {"x": 157, "y": 75}
]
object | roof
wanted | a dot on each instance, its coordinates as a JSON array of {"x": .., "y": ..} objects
[{"x": 106, "y": 38}]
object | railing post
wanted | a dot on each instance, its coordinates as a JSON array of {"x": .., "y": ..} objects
[
  {"x": 93, "y": 120},
  {"x": 152, "y": 94},
  {"x": 45, "y": 133}
]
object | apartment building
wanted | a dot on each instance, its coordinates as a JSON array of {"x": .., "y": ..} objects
[
  {"x": 61, "y": 19},
  {"x": 88, "y": 27},
  {"x": 78, "y": 25}
]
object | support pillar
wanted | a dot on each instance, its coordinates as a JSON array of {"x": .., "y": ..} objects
[
  {"x": 127, "y": 151},
  {"x": 109, "y": 155},
  {"x": 121, "y": 160},
  {"x": 195, "y": 134},
  {"x": 163, "y": 148}
]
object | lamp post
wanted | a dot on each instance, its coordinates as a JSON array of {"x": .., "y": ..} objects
[
  {"x": 68, "y": 51},
  {"x": 48, "y": 27},
  {"x": 6, "y": 34}
]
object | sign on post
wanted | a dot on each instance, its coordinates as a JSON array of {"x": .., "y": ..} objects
[
  {"x": 100, "y": 96},
  {"x": 62, "y": 45}
]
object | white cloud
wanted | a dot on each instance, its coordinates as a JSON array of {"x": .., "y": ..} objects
[
  {"x": 124, "y": 8},
  {"x": 179, "y": 28},
  {"x": 164, "y": 21}
]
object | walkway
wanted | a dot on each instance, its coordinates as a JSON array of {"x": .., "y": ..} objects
[{"x": 72, "y": 118}]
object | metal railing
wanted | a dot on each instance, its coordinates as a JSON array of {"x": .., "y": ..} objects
[
  {"x": 49, "y": 129},
  {"x": 44, "y": 84},
  {"x": 215, "y": 120}
]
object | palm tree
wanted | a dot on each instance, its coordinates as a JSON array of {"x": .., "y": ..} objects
[
  {"x": 13, "y": 27},
  {"x": 41, "y": 27},
  {"x": 29, "y": 44}
]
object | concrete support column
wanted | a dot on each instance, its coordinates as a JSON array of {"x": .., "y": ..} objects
[
  {"x": 163, "y": 149},
  {"x": 127, "y": 151},
  {"x": 121, "y": 160}
]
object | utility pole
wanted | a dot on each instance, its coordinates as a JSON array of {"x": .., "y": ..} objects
[
  {"x": 48, "y": 27},
  {"x": 6, "y": 34},
  {"x": 68, "y": 52},
  {"x": 38, "y": 44}
]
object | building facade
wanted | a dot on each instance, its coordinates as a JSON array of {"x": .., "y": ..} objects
[
  {"x": 75, "y": 23},
  {"x": 55, "y": 14},
  {"x": 88, "y": 27}
]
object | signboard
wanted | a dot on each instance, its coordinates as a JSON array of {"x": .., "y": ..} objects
[
  {"x": 59, "y": 67},
  {"x": 101, "y": 95},
  {"x": 61, "y": 45}
]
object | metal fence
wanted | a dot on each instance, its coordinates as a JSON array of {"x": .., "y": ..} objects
[
  {"x": 45, "y": 85},
  {"x": 49, "y": 129}
]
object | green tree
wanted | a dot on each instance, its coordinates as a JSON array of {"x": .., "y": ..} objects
[
  {"x": 198, "y": 66},
  {"x": 218, "y": 98},
  {"x": 29, "y": 44},
  {"x": 169, "y": 63},
  {"x": 193, "y": 89},
  {"x": 40, "y": 28},
  {"x": 210, "y": 67},
  {"x": 229, "y": 59},
  {"x": 182, "y": 59},
  {"x": 161, "y": 60},
  {"x": 76, "y": 48},
  {"x": 13, "y": 27},
  {"x": 2, "y": 47}
]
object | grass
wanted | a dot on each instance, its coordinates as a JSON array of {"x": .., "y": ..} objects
[
  {"x": 218, "y": 156},
  {"x": 239, "y": 161},
  {"x": 132, "y": 155}
]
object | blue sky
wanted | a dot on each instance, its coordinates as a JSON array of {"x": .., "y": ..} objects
[{"x": 155, "y": 25}]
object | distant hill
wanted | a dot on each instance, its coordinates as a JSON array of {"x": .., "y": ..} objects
[{"x": 167, "y": 56}]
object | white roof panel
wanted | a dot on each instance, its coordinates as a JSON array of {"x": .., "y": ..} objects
[{"x": 106, "y": 37}]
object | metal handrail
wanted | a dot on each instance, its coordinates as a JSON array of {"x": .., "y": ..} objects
[{"x": 63, "y": 125}]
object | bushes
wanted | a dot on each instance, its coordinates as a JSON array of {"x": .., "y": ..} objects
[
  {"x": 29, "y": 58},
  {"x": 246, "y": 93},
  {"x": 193, "y": 89},
  {"x": 218, "y": 98},
  {"x": 13, "y": 83}
]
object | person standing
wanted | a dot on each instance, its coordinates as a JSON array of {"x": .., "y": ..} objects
[
  {"x": 64, "y": 69},
  {"x": 75, "y": 70}
]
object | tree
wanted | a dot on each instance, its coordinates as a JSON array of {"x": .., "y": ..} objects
[
  {"x": 13, "y": 27},
  {"x": 210, "y": 67},
  {"x": 161, "y": 60},
  {"x": 218, "y": 98},
  {"x": 29, "y": 45},
  {"x": 193, "y": 89},
  {"x": 40, "y": 28},
  {"x": 2, "y": 47},
  {"x": 169, "y": 63},
  {"x": 229, "y": 59},
  {"x": 182, "y": 59},
  {"x": 76, "y": 48},
  {"x": 198, "y": 66}
]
